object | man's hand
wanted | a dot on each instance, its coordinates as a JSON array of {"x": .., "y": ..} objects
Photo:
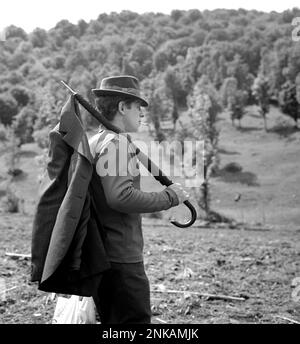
[{"x": 181, "y": 193}]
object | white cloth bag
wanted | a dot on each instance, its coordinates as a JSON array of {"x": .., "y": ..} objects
[{"x": 74, "y": 310}]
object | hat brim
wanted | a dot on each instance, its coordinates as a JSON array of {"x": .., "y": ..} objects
[{"x": 98, "y": 92}]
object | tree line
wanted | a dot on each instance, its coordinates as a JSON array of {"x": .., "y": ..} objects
[{"x": 248, "y": 56}]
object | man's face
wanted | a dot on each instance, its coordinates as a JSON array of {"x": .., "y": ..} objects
[{"x": 133, "y": 116}]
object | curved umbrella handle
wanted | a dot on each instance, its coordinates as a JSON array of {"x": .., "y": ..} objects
[
  {"x": 164, "y": 180},
  {"x": 193, "y": 218}
]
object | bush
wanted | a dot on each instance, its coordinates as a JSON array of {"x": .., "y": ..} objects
[
  {"x": 23, "y": 125},
  {"x": 233, "y": 167},
  {"x": 11, "y": 201},
  {"x": 21, "y": 95},
  {"x": 9, "y": 109},
  {"x": 14, "y": 172}
]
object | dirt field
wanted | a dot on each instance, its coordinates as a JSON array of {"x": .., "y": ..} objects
[{"x": 257, "y": 266}]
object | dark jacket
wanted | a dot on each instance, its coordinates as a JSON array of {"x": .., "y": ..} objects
[{"x": 68, "y": 254}]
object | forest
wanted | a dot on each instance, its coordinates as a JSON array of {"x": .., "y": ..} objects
[{"x": 246, "y": 56}]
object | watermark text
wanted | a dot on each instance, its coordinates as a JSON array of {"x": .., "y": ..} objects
[{"x": 184, "y": 160}]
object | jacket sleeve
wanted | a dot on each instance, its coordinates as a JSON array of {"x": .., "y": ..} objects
[{"x": 117, "y": 176}]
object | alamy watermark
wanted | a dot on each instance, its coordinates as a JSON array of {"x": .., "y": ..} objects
[
  {"x": 3, "y": 35},
  {"x": 174, "y": 159},
  {"x": 296, "y": 31}
]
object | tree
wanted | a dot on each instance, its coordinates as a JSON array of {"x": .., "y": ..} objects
[
  {"x": 207, "y": 66},
  {"x": 260, "y": 91},
  {"x": 59, "y": 62},
  {"x": 141, "y": 52},
  {"x": 159, "y": 104},
  {"x": 96, "y": 52},
  {"x": 8, "y": 109},
  {"x": 65, "y": 29},
  {"x": 20, "y": 55},
  {"x": 203, "y": 108},
  {"x": 176, "y": 15},
  {"x": 77, "y": 58},
  {"x": 114, "y": 46},
  {"x": 38, "y": 38},
  {"x": 12, "y": 148},
  {"x": 21, "y": 95},
  {"x": 294, "y": 61},
  {"x": 236, "y": 106},
  {"x": 187, "y": 68},
  {"x": 23, "y": 124},
  {"x": 228, "y": 90},
  {"x": 139, "y": 60},
  {"x": 222, "y": 72},
  {"x": 47, "y": 118},
  {"x": 82, "y": 26},
  {"x": 172, "y": 48},
  {"x": 239, "y": 70},
  {"x": 160, "y": 61},
  {"x": 175, "y": 90},
  {"x": 288, "y": 101},
  {"x": 13, "y": 31}
]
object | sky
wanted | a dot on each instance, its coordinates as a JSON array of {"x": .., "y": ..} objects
[{"x": 30, "y": 14}]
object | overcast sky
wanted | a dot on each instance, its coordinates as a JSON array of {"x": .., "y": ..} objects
[{"x": 30, "y": 14}]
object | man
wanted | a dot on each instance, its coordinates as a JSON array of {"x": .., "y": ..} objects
[{"x": 124, "y": 294}]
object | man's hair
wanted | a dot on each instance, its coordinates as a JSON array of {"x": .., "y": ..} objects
[{"x": 108, "y": 105}]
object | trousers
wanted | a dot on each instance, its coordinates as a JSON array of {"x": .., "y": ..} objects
[{"x": 123, "y": 296}]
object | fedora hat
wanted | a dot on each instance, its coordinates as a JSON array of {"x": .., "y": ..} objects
[{"x": 120, "y": 85}]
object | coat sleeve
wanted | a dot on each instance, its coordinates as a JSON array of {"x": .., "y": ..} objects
[{"x": 117, "y": 167}]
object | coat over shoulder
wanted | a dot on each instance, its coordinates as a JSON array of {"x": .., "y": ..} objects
[{"x": 67, "y": 250}]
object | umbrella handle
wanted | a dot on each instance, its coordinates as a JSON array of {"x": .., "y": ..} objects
[
  {"x": 193, "y": 217},
  {"x": 164, "y": 180}
]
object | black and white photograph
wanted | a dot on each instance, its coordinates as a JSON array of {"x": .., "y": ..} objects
[{"x": 149, "y": 165}]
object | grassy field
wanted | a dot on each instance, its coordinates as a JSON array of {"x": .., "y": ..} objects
[
  {"x": 255, "y": 264},
  {"x": 270, "y": 175}
]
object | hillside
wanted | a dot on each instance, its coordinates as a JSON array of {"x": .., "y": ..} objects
[{"x": 270, "y": 175}]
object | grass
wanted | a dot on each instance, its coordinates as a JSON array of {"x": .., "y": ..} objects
[{"x": 270, "y": 174}]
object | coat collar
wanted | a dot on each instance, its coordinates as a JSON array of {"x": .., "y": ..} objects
[{"x": 72, "y": 129}]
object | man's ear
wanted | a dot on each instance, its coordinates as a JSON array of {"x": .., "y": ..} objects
[{"x": 121, "y": 107}]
